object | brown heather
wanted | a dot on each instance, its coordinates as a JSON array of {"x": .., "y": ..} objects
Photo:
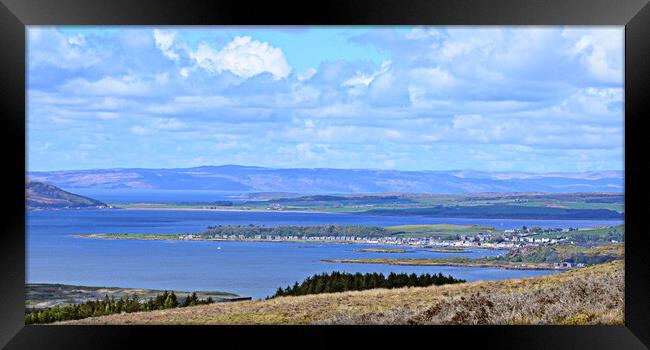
[{"x": 592, "y": 295}]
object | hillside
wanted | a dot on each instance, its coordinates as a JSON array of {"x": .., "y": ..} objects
[
  {"x": 40, "y": 195},
  {"x": 592, "y": 295},
  {"x": 259, "y": 179}
]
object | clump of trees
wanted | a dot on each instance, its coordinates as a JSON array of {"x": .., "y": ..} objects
[
  {"x": 107, "y": 306},
  {"x": 555, "y": 254},
  {"x": 340, "y": 282}
]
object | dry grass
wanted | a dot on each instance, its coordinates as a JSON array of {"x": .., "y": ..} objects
[
  {"x": 587, "y": 299},
  {"x": 592, "y": 295}
]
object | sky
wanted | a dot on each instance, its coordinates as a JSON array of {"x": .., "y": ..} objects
[{"x": 527, "y": 99}]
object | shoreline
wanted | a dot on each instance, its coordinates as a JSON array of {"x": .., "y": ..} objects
[
  {"x": 119, "y": 236},
  {"x": 238, "y": 210},
  {"x": 431, "y": 262},
  {"x": 42, "y": 295}
]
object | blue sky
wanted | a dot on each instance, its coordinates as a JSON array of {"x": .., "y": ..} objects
[{"x": 531, "y": 99}]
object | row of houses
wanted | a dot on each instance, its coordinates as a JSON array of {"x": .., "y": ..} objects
[
  {"x": 484, "y": 240},
  {"x": 567, "y": 265}
]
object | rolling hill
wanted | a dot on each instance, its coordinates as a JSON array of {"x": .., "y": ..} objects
[
  {"x": 39, "y": 195},
  {"x": 322, "y": 180}
]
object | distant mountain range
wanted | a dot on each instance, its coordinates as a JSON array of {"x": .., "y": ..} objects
[
  {"x": 322, "y": 180},
  {"x": 45, "y": 196}
]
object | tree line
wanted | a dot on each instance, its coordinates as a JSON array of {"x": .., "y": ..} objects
[
  {"x": 309, "y": 231},
  {"x": 340, "y": 282},
  {"x": 93, "y": 308}
]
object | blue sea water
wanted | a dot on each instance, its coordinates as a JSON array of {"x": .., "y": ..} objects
[{"x": 253, "y": 269}]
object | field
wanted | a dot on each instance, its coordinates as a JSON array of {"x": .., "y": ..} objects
[
  {"x": 438, "y": 230},
  {"x": 592, "y": 295},
  {"x": 497, "y": 205}
]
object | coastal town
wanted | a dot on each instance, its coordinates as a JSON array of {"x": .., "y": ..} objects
[{"x": 488, "y": 239}]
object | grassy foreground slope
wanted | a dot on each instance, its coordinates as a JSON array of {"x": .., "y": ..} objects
[{"x": 592, "y": 295}]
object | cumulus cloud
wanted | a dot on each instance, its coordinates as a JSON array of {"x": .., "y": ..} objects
[
  {"x": 365, "y": 79},
  {"x": 530, "y": 99},
  {"x": 600, "y": 50},
  {"x": 243, "y": 57},
  {"x": 592, "y": 102},
  {"x": 165, "y": 41}
]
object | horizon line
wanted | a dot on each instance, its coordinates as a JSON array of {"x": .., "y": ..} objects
[{"x": 329, "y": 168}]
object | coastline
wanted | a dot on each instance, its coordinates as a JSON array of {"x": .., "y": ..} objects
[
  {"x": 237, "y": 210},
  {"x": 434, "y": 262},
  {"x": 156, "y": 237},
  {"x": 384, "y": 261}
]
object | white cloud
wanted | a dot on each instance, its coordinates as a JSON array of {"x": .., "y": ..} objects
[
  {"x": 126, "y": 85},
  {"x": 601, "y": 51},
  {"x": 52, "y": 48},
  {"x": 306, "y": 74},
  {"x": 589, "y": 103},
  {"x": 423, "y": 33},
  {"x": 184, "y": 72},
  {"x": 365, "y": 79},
  {"x": 243, "y": 57},
  {"x": 77, "y": 40},
  {"x": 165, "y": 41},
  {"x": 520, "y": 94}
]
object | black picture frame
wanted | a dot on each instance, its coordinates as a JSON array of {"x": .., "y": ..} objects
[{"x": 15, "y": 15}]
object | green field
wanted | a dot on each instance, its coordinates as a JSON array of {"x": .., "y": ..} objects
[
  {"x": 435, "y": 228},
  {"x": 531, "y": 205}
]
